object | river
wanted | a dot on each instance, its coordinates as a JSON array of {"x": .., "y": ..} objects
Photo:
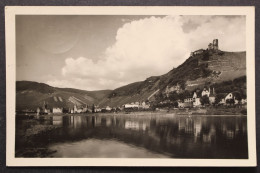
[{"x": 133, "y": 136}]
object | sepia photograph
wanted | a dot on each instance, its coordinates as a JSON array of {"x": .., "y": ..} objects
[{"x": 157, "y": 86}]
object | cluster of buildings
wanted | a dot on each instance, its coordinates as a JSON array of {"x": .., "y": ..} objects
[
  {"x": 195, "y": 100},
  {"x": 92, "y": 109},
  {"x": 58, "y": 110},
  {"x": 43, "y": 110},
  {"x": 210, "y": 95},
  {"x": 137, "y": 105}
]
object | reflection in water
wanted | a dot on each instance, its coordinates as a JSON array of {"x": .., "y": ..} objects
[
  {"x": 135, "y": 125},
  {"x": 153, "y": 136},
  {"x": 57, "y": 120},
  {"x": 95, "y": 148}
]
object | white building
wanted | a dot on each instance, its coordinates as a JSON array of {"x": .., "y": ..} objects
[
  {"x": 188, "y": 100},
  {"x": 196, "y": 99},
  {"x": 145, "y": 106},
  {"x": 222, "y": 101},
  {"x": 38, "y": 111},
  {"x": 212, "y": 99},
  {"x": 108, "y": 108},
  {"x": 243, "y": 101},
  {"x": 229, "y": 96},
  {"x": 132, "y": 105},
  {"x": 57, "y": 110},
  {"x": 98, "y": 110},
  {"x": 196, "y": 102},
  {"x": 180, "y": 104},
  {"x": 205, "y": 92},
  {"x": 85, "y": 109},
  {"x": 79, "y": 110},
  {"x": 75, "y": 109}
]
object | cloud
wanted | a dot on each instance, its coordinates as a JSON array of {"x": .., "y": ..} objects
[
  {"x": 229, "y": 30},
  {"x": 151, "y": 46}
]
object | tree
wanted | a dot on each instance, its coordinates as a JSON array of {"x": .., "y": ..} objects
[
  {"x": 219, "y": 97},
  {"x": 204, "y": 100},
  {"x": 173, "y": 96},
  {"x": 184, "y": 95},
  {"x": 159, "y": 97},
  {"x": 205, "y": 56},
  {"x": 230, "y": 101},
  {"x": 238, "y": 96},
  {"x": 175, "y": 104},
  {"x": 93, "y": 108}
]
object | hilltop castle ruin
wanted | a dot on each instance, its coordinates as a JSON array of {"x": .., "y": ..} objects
[
  {"x": 214, "y": 45},
  {"x": 211, "y": 58},
  {"x": 211, "y": 47}
]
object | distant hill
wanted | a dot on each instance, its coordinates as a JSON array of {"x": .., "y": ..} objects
[
  {"x": 204, "y": 69},
  {"x": 30, "y": 95}
]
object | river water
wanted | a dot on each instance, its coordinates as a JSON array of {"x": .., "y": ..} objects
[{"x": 133, "y": 136}]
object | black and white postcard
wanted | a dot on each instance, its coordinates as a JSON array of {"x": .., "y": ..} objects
[{"x": 130, "y": 86}]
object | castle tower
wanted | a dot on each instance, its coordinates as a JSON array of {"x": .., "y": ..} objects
[
  {"x": 215, "y": 44},
  {"x": 210, "y": 46}
]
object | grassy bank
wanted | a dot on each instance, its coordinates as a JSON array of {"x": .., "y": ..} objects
[{"x": 27, "y": 142}]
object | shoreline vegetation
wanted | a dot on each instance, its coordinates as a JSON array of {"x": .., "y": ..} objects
[{"x": 26, "y": 142}]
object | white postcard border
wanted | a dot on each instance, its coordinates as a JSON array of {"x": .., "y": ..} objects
[{"x": 12, "y": 11}]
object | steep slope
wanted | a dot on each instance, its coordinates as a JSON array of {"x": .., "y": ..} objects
[
  {"x": 30, "y": 95},
  {"x": 208, "y": 67},
  {"x": 197, "y": 71},
  {"x": 138, "y": 91}
]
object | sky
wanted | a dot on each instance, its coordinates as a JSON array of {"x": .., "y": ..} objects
[{"x": 106, "y": 52}]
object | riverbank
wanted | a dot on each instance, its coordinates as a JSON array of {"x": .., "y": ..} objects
[
  {"x": 28, "y": 138},
  {"x": 212, "y": 111},
  {"x": 206, "y": 111}
]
